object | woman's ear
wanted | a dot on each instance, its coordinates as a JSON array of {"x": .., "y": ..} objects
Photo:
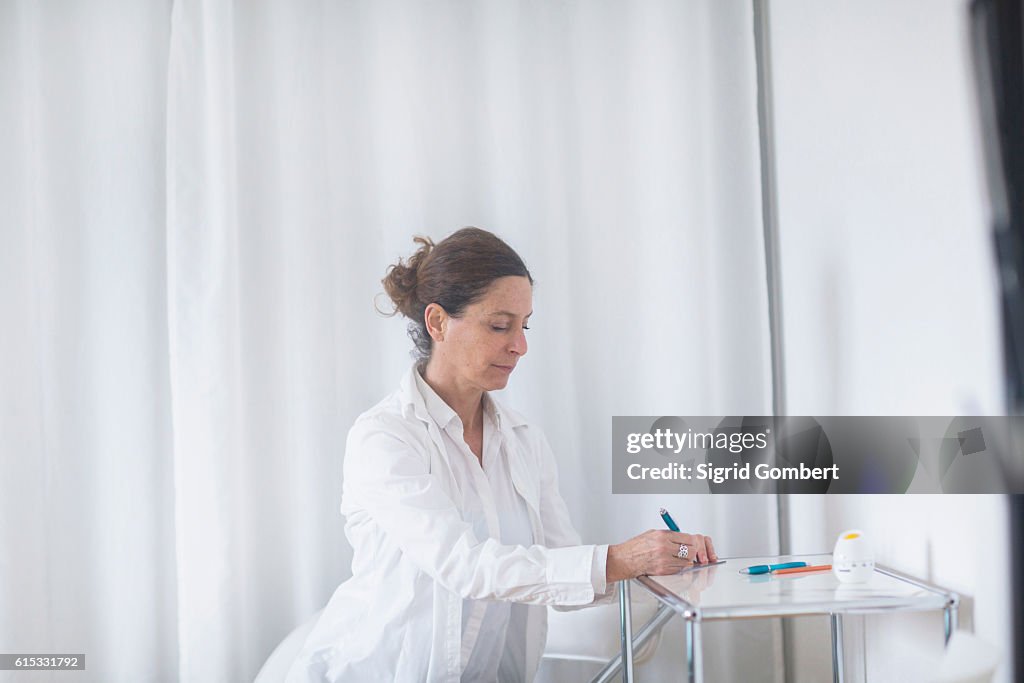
[{"x": 436, "y": 319}]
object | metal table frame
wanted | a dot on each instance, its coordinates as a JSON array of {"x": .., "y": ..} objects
[{"x": 672, "y": 604}]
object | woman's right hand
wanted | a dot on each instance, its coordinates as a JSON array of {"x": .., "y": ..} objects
[{"x": 656, "y": 553}]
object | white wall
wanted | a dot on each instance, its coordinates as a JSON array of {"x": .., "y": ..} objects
[{"x": 890, "y": 303}]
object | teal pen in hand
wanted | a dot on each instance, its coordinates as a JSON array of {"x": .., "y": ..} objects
[
  {"x": 768, "y": 568},
  {"x": 669, "y": 522}
]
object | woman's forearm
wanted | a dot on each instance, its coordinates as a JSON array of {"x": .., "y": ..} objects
[{"x": 619, "y": 566}]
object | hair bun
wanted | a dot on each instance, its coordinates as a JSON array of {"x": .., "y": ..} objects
[{"x": 402, "y": 280}]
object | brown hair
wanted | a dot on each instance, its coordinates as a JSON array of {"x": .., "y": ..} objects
[{"x": 454, "y": 273}]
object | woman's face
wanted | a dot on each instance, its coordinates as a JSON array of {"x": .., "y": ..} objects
[{"x": 481, "y": 347}]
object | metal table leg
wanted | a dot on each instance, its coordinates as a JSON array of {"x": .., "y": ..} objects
[
  {"x": 951, "y": 619},
  {"x": 694, "y": 665},
  {"x": 626, "y": 631},
  {"x": 649, "y": 630},
  {"x": 837, "y": 647}
]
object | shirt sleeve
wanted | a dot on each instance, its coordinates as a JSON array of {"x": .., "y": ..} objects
[
  {"x": 603, "y": 592},
  {"x": 388, "y": 475},
  {"x": 558, "y": 528},
  {"x": 599, "y": 569}
]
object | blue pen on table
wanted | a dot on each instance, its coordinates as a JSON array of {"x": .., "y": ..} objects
[{"x": 769, "y": 568}]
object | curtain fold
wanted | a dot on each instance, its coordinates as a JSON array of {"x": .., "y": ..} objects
[{"x": 205, "y": 341}]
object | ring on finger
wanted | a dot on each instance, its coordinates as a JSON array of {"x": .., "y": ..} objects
[{"x": 684, "y": 551}]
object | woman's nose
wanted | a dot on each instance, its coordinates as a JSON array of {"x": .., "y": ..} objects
[{"x": 519, "y": 344}]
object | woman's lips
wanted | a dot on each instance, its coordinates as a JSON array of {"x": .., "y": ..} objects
[{"x": 506, "y": 368}]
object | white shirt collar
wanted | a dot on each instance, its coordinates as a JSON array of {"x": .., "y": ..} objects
[
  {"x": 441, "y": 412},
  {"x": 414, "y": 391}
]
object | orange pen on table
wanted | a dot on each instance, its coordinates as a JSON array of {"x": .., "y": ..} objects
[{"x": 801, "y": 570}]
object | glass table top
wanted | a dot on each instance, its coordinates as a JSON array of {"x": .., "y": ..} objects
[{"x": 721, "y": 592}]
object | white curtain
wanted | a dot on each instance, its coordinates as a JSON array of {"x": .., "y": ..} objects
[
  {"x": 201, "y": 199},
  {"x": 86, "y": 455}
]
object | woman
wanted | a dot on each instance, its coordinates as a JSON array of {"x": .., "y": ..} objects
[{"x": 451, "y": 500}]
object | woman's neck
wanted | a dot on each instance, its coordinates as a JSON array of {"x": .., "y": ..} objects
[{"x": 466, "y": 401}]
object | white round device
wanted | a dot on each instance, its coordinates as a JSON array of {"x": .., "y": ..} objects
[{"x": 852, "y": 559}]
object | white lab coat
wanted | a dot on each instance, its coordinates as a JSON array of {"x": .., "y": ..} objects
[{"x": 400, "y": 615}]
